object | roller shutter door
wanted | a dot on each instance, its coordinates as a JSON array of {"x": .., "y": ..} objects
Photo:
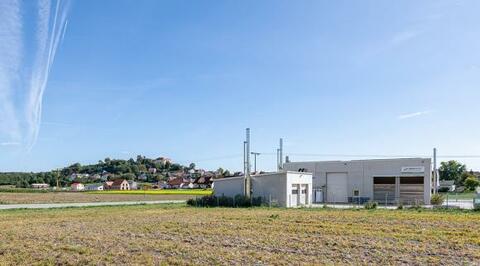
[
  {"x": 411, "y": 190},
  {"x": 337, "y": 187}
]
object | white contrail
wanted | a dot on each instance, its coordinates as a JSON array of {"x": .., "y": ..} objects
[
  {"x": 10, "y": 60},
  {"x": 49, "y": 32}
]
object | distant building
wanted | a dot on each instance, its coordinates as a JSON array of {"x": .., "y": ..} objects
[
  {"x": 142, "y": 177},
  {"x": 94, "y": 187},
  {"x": 107, "y": 185},
  {"x": 133, "y": 185},
  {"x": 203, "y": 182},
  {"x": 447, "y": 184},
  {"x": 152, "y": 170},
  {"x": 77, "y": 187},
  {"x": 163, "y": 160},
  {"x": 180, "y": 182},
  {"x": 120, "y": 184},
  {"x": 40, "y": 186}
]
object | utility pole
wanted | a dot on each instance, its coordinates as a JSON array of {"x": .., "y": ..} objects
[
  {"x": 57, "y": 175},
  {"x": 435, "y": 175},
  {"x": 246, "y": 153},
  {"x": 255, "y": 154}
]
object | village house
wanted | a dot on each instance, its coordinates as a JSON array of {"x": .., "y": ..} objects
[
  {"x": 203, "y": 182},
  {"x": 107, "y": 185},
  {"x": 120, "y": 184},
  {"x": 40, "y": 186},
  {"x": 133, "y": 185},
  {"x": 180, "y": 182},
  {"x": 77, "y": 187},
  {"x": 152, "y": 170}
]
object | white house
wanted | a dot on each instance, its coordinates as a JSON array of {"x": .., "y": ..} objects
[
  {"x": 77, "y": 187},
  {"x": 286, "y": 189}
]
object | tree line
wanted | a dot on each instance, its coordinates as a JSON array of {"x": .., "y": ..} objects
[{"x": 128, "y": 169}]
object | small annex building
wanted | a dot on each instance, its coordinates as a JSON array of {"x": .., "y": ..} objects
[{"x": 285, "y": 189}]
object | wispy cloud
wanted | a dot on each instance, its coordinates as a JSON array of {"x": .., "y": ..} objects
[
  {"x": 10, "y": 60},
  {"x": 404, "y": 36},
  {"x": 412, "y": 115},
  {"x": 10, "y": 143}
]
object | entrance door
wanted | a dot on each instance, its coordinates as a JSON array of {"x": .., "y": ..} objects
[
  {"x": 303, "y": 194},
  {"x": 318, "y": 195},
  {"x": 294, "y": 196},
  {"x": 337, "y": 187}
]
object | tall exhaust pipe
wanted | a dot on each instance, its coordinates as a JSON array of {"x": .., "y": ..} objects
[
  {"x": 247, "y": 171},
  {"x": 280, "y": 156}
]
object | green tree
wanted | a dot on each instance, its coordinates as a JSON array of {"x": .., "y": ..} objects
[
  {"x": 452, "y": 170},
  {"x": 471, "y": 183}
]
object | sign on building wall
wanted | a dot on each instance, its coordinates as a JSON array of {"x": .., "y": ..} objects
[{"x": 413, "y": 169}]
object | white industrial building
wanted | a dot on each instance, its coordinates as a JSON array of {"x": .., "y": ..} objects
[
  {"x": 390, "y": 181},
  {"x": 285, "y": 189}
]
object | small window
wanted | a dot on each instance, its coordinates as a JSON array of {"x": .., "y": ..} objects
[
  {"x": 356, "y": 193},
  {"x": 295, "y": 191},
  {"x": 304, "y": 191}
]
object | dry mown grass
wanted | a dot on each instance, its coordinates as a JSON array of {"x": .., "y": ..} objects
[
  {"x": 69, "y": 197},
  {"x": 182, "y": 235}
]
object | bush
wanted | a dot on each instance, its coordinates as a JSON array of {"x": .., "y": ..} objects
[
  {"x": 371, "y": 205},
  {"x": 443, "y": 189},
  {"x": 471, "y": 183},
  {"x": 400, "y": 206},
  {"x": 224, "y": 201},
  {"x": 437, "y": 199}
]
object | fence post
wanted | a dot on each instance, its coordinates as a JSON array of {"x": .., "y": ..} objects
[
  {"x": 386, "y": 199},
  {"x": 218, "y": 202},
  {"x": 270, "y": 200},
  {"x": 234, "y": 203}
]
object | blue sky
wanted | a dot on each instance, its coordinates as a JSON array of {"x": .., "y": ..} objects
[{"x": 183, "y": 79}]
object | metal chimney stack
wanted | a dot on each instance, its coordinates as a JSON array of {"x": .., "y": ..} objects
[
  {"x": 280, "y": 156},
  {"x": 246, "y": 170}
]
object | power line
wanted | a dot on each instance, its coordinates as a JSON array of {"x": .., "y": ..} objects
[{"x": 378, "y": 155}]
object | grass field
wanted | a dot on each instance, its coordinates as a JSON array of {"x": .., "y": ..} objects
[
  {"x": 181, "y": 235},
  {"x": 194, "y": 192},
  {"x": 69, "y": 197}
]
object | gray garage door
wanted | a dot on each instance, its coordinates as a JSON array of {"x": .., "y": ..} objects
[
  {"x": 337, "y": 187},
  {"x": 411, "y": 190}
]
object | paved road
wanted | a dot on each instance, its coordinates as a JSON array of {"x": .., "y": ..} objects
[
  {"x": 89, "y": 204},
  {"x": 462, "y": 204}
]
